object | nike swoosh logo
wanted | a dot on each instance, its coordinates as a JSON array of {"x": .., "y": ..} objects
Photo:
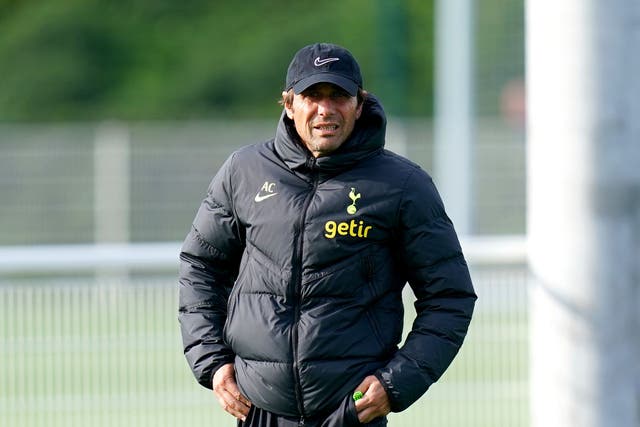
[
  {"x": 320, "y": 62},
  {"x": 260, "y": 198}
]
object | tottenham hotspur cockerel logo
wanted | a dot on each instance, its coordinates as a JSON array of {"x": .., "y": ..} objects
[{"x": 351, "y": 209}]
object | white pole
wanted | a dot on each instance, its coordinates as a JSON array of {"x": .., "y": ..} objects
[
  {"x": 583, "y": 63},
  {"x": 112, "y": 192},
  {"x": 454, "y": 109},
  {"x": 111, "y": 184}
]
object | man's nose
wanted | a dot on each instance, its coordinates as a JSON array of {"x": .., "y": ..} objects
[{"x": 326, "y": 106}]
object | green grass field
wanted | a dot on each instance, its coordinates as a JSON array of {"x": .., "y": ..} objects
[{"x": 81, "y": 354}]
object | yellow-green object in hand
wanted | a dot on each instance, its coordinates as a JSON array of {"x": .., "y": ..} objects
[{"x": 357, "y": 395}]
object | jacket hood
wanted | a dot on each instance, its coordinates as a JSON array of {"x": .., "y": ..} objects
[{"x": 367, "y": 138}]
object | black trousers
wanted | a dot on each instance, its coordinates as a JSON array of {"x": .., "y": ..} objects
[{"x": 344, "y": 416}]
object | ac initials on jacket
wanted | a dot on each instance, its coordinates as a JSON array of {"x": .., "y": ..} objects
[{"x": 267, "y": 190}]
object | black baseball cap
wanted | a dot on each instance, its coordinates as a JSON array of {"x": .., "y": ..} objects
[{"x": 324, "y": 63}]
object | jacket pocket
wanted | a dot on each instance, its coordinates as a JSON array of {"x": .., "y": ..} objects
[
  {"x": 369, "y": 273},
  {"x": 233, "y": 295},
  {"x": 346, "y": 416},
  {"x": 373, "y": 324}
]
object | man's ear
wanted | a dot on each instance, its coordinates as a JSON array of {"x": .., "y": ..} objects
[
  {"x": 287, "y": 105},
  {"x": 359, "y": 110}
]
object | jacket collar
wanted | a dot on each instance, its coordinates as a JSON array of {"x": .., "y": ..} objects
[{"x": 366, "y": 139}]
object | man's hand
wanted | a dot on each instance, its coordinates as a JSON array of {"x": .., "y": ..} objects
[
  {"x": 374, "y": 403},
  {"x": 228, "y": 394}
]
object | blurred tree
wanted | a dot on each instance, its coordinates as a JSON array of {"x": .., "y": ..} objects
[
  {"x": 57, "y": 63},
  {"x": 392, "y": 58},
  {"x": 162, "y": 59},
  {"x": 499, "y": 52}
]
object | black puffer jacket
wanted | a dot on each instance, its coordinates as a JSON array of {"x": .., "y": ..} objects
[{"x": 294, "y": 269}]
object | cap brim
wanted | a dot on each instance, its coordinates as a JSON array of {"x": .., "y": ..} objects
[{"x": 347, "y": 84}]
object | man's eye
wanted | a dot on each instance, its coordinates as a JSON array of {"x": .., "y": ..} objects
[{"x": 339, "y": 95}]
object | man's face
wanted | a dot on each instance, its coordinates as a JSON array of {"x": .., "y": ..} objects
[{"x": 324, "y": 116}]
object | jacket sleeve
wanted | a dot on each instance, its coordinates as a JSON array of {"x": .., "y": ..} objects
[
  {"x": 438, "y": 275},
  {"x": 209, "y": 261}
]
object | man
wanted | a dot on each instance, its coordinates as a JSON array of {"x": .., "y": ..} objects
[{"x": 291, "y": 276}]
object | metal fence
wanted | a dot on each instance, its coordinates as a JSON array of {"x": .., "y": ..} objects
[
  {"x": 99, "y": 344},
  {"x": 142, "y": 182}
]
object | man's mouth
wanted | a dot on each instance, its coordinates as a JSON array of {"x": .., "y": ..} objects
[{"x": 326, "y": 127}]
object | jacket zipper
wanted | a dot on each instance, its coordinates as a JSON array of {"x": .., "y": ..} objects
[{"x": 296, "y": 283}]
